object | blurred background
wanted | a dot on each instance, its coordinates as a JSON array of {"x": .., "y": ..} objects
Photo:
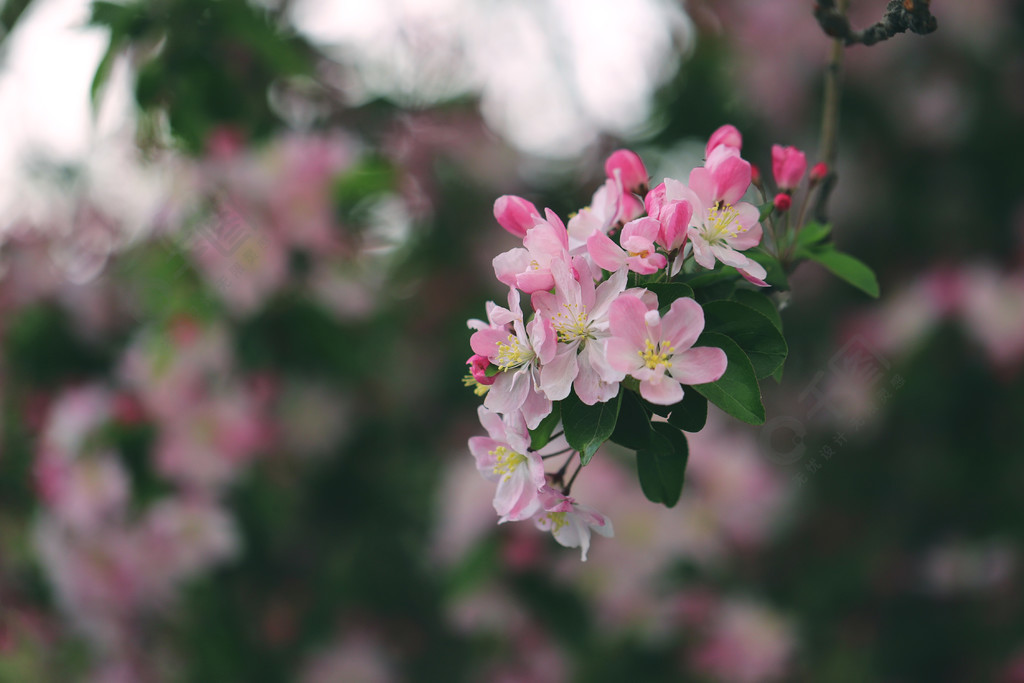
[{"x": 240, "y": 241}]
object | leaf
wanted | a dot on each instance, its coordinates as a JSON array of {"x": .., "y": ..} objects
[
  {"x": 756, "y": 335},
  {"x": 736, "y": 392},
  {"x": 845, "y": 267},
  {"x": 540, "y": 436},
  {"x": 813, "y": 233},
  {"x": 760, "y": 303},
  {"x": 765, "y": 211},
  {"x": 587, "y": 427},
  {"x": 690, "y": 414},
  {"x": 667, "y": 292},
  {"x": 633, "y": 427},
  {"x": 661, "y": 468},
  {"x": 776, "y": 276}
]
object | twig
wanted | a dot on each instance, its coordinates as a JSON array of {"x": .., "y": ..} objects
[{"x": 900, "y": 16}]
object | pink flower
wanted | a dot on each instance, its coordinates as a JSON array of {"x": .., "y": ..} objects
[
  {"x": 721, "y": 226},
  {"x": 818, "y": 172},
  {"x": 727, "y": 135},
  {"x": 788, "y": 166},
  {"x": 478, "y": 369},
  {"x": 629, "y": 168},
  {"x": 569, "y": 522},
  {"x": 637, "y": 252},
  {"x": 528, "y": 268},
  {"x": 657, "y": 351},
  {"x": 515, "y": 214},
  {"x": 579, "y": 316},
  {"x": 504, "y": 456},
  {"x": 782, "y": 201},
  {"x": 519, "y": 352}
]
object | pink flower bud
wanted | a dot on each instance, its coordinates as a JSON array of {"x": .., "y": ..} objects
[
  {"x": 782, "y": 201},
  {"x": 818, "y": 172},
  {"x": 726, "y": 135},
  {"x": 478, "y": 368},
  {"x": 632, "y": 172},
  {"x": 788, "y": 166},
  {"x": 675, "y": 218},
  {"x": 515, "y": 214}
]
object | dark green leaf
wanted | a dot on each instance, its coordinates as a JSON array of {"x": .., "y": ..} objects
[
  {"x": 587, "y": 427},
  {"x": 667, "y": 292},
  {"x": 661, "y": 467},
  {"x": 760, "y": 303},
  {"x": 845, "y": 267},
  {"x": 690, "y": 414},
  {"x": 756, "y": 335},
  {"x": 540, "y": 436},
  {"x": 736, "y": 392},
  {"x": 812, "y": 233},
  {"x": 633, "y": 427}
]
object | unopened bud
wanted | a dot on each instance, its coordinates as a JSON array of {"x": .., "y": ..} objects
[
  {"x": 782, "y": 201},
  {"x": 788, "y": 166},
  {"x": 478, "y": 369},
  {"x": 755, "y": 176},
  {"x": 632, "y": 172},
  {"x": 818, "y": 172},
  {"x": 515, "y": 214},
  {"x": 727, "y": 135}
]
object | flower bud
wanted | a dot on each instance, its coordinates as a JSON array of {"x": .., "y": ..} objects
[
  {"x": 726, "y": 135},
  {"x": 788, "y": 166},
  {"x": 782, "y": 201},
  {"x": 818, "y": 172},
  {"x": 478, "y": 369},
  {"x": 632, "y": 172},
  {"x": 515, "y": 214},
  {"x": 654, "y": 201},
  {"x": 755, "y": 176}
]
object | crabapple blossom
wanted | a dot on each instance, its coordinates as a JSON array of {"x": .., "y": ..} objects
[
  {"x": 788, "y": 166},
  {"x": 658, "y": 350},
  {"x": 578, "y": 312},
  {"x": 638, "y": 251},
  {"x": 519, "y": 353},
  {"x": 727, "y": 136},
  {"x": 630, "y": 168},
  {"x": 569, "y": 522},
  {"x": 503, "y": 456},
  {"x": 782, "y": 201},
  {"x": 599, "y": 216}
]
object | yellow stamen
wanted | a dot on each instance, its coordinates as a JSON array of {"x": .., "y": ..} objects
[
  {"x": 513, "y": 354},
  {"x": 722, "y": 223},
  {"x": 653, "y": 356},
  {"x": 478, "y": 389},
  {"x": 506, "y": 461},
  {"x": 571, "y": 324}
]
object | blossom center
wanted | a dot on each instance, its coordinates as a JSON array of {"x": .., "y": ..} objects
[
  {"x": 557, "y": 520},
  {"x": 513, "y": 354},
  {"x": 506, "y": 461},
  {"x": 654, "y": 355},
  {"x": 572, "y": 323},
  {"x": 722, "y": 223}
]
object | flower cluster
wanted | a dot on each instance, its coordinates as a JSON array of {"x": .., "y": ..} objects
[{"x": 591, "y": 315}]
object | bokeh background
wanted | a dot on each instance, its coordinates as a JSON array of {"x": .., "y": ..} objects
[{"x": 240, "y": 241}]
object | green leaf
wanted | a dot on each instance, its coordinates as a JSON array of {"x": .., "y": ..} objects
[
  {"x": 540, "y": 436},
  {"x": 760, "y": 303},
  {"x": 690, "y": 414},
  {"x": 492, "y": 370},
  {"x": 661, "y": 468},
  {"x": 812, "y": 233},
  {"x": 736, "y": 392},
  {"x": 766, "y": 210},
  {"x": 587, "y": 427},
  {"x": 633, "y": 427},
  {"x": 667, "y": 292},
  {"x": 845, "y": 267},
  {"x": 776, "y": 276},
  {"x": 756, "y": 335}
]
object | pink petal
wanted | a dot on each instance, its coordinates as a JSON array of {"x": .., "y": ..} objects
[
  {"x": 662, "y": 391},
  {"x": 682, "y": 324},
  {"x": 701, "y": 251},
  {"x": 556, "y": 376},
  {"x": 626, "y": 320},
  {"x": 699, "y": 365},
  {"x": 485, "y": 341},
  {"x": 623, "y": 356},
  {"x": 605, "y": 252}
]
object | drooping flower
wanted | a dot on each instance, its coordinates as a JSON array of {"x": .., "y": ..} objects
[
  {"x": 638, "y": 251},
  {"x": 569, "y": 522},
  {"x": 578, "y": 312},
  {"x": 503, "y": 456},
  {"x": 518, "y": 350},
  {"x": 658, "y": 350}
]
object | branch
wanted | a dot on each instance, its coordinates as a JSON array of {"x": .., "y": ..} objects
[{"x": 900, "y": 16}]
